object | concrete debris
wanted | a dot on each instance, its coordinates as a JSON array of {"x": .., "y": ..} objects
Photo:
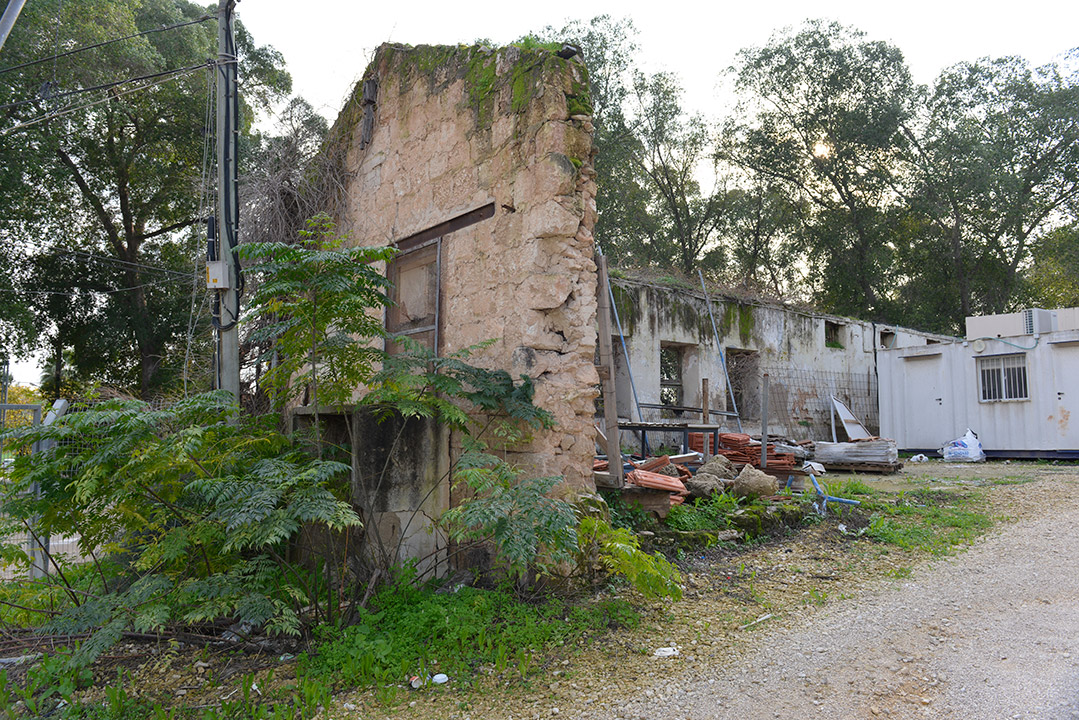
[
  {"x": 720, "y": 467},
  {"x": 704, "y": 485},
  {"x": 752, "y": 482}
]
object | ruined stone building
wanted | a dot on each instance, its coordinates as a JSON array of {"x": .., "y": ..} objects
[
  {"x": 672, "y": 345},
  {"x": 476, "y": 164}
]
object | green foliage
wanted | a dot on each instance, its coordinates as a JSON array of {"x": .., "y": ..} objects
[
  {"x": 118, "y": 176},
  {"x": 526, "y": 526},
  {"x": 189, "y": 510},
  {"x": 417, "y": 631},
  {"x": 704, "y": 513},
  {"x": 618, "y": 551},
  {"x": 419, "y": 383},
  {"x": 935, "y": 522},
  {"x": 630, "y": 516},
  {"x": 313, "y": 303},
  {"x": 1054, "y": 272}
]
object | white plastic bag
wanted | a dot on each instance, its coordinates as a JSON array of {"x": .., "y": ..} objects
[{"x": 965, "y": 449}]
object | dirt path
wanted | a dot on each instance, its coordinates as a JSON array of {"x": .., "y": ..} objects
[{"x": 990, "y": 633}]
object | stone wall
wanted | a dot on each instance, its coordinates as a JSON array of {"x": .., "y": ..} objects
[{"x": 490, "y": 150}]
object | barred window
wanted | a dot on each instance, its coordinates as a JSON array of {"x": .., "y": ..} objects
[{"x": 1003, "y": 377}]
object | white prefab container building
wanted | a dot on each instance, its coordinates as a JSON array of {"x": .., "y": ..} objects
[{"x": 1014, "y": 381}]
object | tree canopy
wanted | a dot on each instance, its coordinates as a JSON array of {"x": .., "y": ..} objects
[
  {"x": 108, "y": 185},
  {"x": 839, "y": 179}
]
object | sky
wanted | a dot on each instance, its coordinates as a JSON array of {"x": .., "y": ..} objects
[{"x": 328, "y": 43}]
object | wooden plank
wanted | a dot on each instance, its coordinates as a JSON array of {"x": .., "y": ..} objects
[{"x": 607, "y": 384}]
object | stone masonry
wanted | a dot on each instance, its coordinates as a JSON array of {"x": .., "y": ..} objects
[{"x": 503, "y": 135}]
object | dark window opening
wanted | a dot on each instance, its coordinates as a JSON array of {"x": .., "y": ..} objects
[
  {"x": 670, "y": 376},
  {"x": 833, "y": 335},
  {"x": 743, "y": 367}
]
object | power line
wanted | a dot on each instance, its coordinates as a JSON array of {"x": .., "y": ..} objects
[
  {"x": 57, "y": 56},
  {"x": 75, "y": 108},
  {"x": 77, "y": 294},
  {"x": 118, "y": 261},
  {"x": 106, "y": 86}
]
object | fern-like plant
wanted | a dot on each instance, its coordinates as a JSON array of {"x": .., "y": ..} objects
[
  {"x": 196, "y": 503},
  {"x": 618, "y": 551}
]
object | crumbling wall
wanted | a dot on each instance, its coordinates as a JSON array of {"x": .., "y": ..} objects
[
  {"x": 491, "y": 150},
  {"x": 809, "y": 356}
]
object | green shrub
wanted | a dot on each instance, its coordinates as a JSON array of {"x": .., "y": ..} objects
[{"x": 712, "y": 513}]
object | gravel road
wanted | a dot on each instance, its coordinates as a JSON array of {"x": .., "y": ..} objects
[{"x": 991, "y": 633}]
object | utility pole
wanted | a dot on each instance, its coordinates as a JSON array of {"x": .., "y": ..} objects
[{"x": 224, "y": 274}]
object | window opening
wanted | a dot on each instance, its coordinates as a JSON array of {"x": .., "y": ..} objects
[
  {"x": 1003, "y": 377},
  {"x": 833, "y": 335},
  {"x": 670, "y": 376},
  {"x": 414, "y": 292},
  {"x": 743, "y": 368}
]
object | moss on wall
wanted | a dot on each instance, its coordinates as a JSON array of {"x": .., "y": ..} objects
[
  {"x": 628, "y": 306},
  {"x": 746, "y": 323}
]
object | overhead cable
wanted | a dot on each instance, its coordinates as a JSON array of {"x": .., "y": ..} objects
[
  {"x": 75, "y": 108},
  {"x": 106, "y": 86},
  {"x": 57, "y": 56}
]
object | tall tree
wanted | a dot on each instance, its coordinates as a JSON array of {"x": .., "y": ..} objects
[
  {"x": 120, "y": 172},
  {"x": 676, "y": 159},
  {"x": 650, "y": 154},
  {"x": 821, "y": 117},
  {"x": 996, "y": 164},
  {"x": 760, "y": 232}
]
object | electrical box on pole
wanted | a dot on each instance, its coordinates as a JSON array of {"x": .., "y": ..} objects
[{"x": 229, "y": 279}]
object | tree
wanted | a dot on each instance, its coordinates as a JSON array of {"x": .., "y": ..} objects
[
  {"x": 760, "y": 232},
  {"x": 122, "y": 174},
  {"x": 1054, "y": 273},
  {"x": 651, "y": 207},
  {"x": 821, "y": 118},
  {"x": 316, "y": 298},
  {"x": 995, "y": 164},
  {"x": 673, "y": 152}
]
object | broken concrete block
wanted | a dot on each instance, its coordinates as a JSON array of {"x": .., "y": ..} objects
[
  {"x": 703, "y": 485},
  {"x": 719, "y": 466},
  {"x": 751, "y": 482}
]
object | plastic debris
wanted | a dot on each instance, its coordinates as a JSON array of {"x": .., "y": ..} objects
[
  {"x": 665, "y": 652},
  {"x": 440, "y": 678},
  {"x": 965, "y": 449},
  {"x": 919, "y": 458}
]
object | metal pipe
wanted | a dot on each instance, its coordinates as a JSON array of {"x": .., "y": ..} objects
[
  {"x": 719, "y": 347},
  {"x": 625, "y": 353},
  {"x": 764, "y": 421},
  {"x": 7, "y": 22}
]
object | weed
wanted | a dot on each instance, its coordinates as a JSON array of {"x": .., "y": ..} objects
[
  {"x": 704, "y": 513},
  {"x": 934, "y": 521},
  {"x": 409, "y": 628}
]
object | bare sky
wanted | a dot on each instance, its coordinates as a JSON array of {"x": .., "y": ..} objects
[{"x": 328, "y": 43}]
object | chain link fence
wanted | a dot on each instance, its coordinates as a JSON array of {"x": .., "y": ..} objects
[{"x": 801, "y": 400}]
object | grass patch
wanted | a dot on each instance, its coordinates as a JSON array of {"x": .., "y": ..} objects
[
  {"x": 416, "y": 631},
  {"x": 933, "y": 521}
]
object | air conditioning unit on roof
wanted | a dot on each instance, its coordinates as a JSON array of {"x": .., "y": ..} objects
[{"x": 1037, "y": 321}]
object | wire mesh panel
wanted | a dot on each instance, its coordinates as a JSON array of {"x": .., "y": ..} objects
[{"x": 800, "y": 400}]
